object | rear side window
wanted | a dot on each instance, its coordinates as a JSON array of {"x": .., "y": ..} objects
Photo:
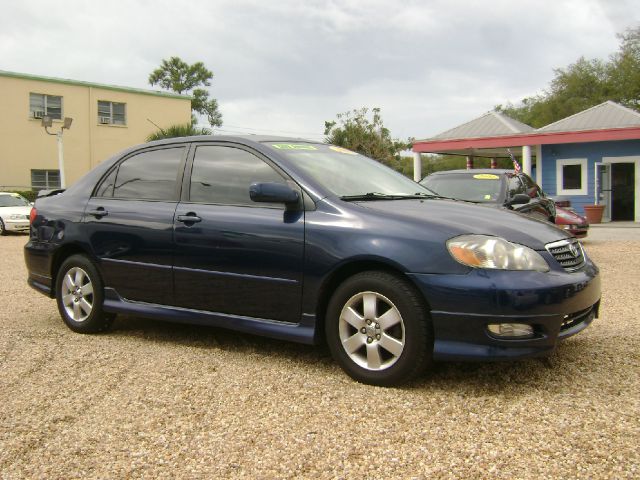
[
  {"x": 147, "y": 176},
  {"x": 223, "y": 175}
]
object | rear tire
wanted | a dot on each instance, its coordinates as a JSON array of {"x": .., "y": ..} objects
[
  {"x": 80, "y": 295},
  {"x": 379, "y": 330}
]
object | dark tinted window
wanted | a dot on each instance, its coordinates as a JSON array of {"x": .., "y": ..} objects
[
  {"x": 149, "y": 176},
  {"x": 224, "y": 174},
  {"x": 106, "y": 187},
  {"x": 532, "y": 187},
  {"x": 515, "y": 186}
]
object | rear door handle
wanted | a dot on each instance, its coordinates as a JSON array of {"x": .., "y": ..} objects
[
  {"x": 189, "y": 218},
  {"x": 98, "y": 212}
]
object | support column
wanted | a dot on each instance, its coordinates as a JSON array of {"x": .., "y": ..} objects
[
  {"x": 539, "y": 165},
  {"x": 494, "y": 163},
  {"x": 417, "y": 167},
  {"x": 469, "y": 163},
  {"x": 526, "y": 159}
]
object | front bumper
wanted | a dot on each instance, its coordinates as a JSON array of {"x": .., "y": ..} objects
[{"x": 556, "y": 304}]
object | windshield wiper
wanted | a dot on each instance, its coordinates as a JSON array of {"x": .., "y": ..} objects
[
  {"x": 376, "y": 196},
  {"x": 390, "y": 196}
]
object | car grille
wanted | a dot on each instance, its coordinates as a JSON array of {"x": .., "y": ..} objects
[
  {"x": 568, "y": 253},
  {"x": 576, "y": 318}
]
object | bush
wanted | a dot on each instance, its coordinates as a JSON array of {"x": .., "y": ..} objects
[{"x": 28, "y": 194}]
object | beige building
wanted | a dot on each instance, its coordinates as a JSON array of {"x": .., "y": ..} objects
[{"x": 106, "y": 119}]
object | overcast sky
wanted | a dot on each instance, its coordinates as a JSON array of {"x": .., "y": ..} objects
[{"x": 284, "y": 67}]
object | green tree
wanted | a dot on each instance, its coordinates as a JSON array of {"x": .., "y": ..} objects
[
  {"x": 178, "y": 76},
  {"x": 584, "y": 84},
  {"x": 185, "y": 130},
  {"x": 355, "y": 131}
]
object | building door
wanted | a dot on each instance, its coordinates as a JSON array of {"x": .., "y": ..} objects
[{"x": 622, "y": 191}]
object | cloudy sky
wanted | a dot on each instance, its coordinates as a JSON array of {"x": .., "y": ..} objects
[{"x": 285, "y": 66}]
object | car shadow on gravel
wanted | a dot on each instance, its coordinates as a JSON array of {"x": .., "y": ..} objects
[
  {"x": 206, "y": 337},
  {"x": 522, "y": 377}
]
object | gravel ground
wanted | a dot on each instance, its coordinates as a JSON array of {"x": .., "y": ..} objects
[{"x": 155, "y": 400}]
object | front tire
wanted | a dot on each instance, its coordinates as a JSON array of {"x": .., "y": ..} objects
[
  {"x": 379, "y": 330},
  {"x": 80, "y": 294},
  {"x": 3, "y": 229}
]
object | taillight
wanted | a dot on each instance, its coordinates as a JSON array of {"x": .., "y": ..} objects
[{"x": 32, "y": 215}]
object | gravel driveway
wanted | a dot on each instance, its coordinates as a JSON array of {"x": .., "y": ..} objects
[{"x": 157, "y": 400}]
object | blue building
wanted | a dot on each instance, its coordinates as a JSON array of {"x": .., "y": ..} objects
[{"x": 592, "y": 157}]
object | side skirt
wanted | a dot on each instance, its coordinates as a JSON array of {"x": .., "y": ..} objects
[{"x": 303, "y": 332}]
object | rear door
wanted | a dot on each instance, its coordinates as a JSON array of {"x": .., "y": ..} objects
[
  {"x": 129, "y": 220},
  {"x": 233, "y": 255}
]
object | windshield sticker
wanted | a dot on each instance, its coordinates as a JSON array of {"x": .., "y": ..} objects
[
  {"x": 486, "y": 176},
  {"x": 293, "y": 146},
  {"x": 342, "y": 150}
]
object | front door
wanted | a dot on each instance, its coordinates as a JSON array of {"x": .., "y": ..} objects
[
  {"x": 623, "y": 191},
  {"x": 232, "y": 255}
]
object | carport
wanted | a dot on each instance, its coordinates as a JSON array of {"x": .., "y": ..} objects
[{"x": 592, "y": 157}]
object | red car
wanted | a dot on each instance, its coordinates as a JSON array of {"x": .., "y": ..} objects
[{"x": 571, "y": 222}]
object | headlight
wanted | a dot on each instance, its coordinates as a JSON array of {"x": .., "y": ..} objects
[
  {"x": 16, "y": 217},
  {"x": 483, "y": 251}
]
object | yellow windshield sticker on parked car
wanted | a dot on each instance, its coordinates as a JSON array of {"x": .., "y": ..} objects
[
  {"x": 486, "y": 176},
  {"x": 292, "y": 146},
  {"x": 342, "y": 150}
]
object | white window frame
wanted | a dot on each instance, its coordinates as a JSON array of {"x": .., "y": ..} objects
[
  {"x": 110, "y": 117},
  {"x": 584, "y": 164}
]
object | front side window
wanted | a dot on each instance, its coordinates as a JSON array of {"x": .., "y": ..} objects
[
  {"x": 515, "y": 186},
  {"x": 111, "y": 113},
  {"x": 223, "y": 175},
  {"x": 45, "y": 179},
  {"x": 146, "y": 176},
  {"x": 41, "y": 105},
  {"x": 533, "y": 190}
]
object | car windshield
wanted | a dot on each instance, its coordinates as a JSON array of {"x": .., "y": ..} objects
[
  {"x": 349, "y": 174},
  {"x": 13, "y": 201},
  {"x": 473, "y": 187}
]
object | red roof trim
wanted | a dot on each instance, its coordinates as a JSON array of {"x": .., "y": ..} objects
[{"x": 534, "y": 138}]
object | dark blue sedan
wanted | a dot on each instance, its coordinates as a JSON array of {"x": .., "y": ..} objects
[{"x": 307, "y": 242}]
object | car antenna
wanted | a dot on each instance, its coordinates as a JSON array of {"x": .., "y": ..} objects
[{"x": 156, "y": 125}]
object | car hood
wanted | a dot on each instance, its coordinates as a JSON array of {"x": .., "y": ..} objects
[
  {"x": 454, "y": 218},
  {"x": 6, "y": 211},
  {"x": 568, "y": 217}
]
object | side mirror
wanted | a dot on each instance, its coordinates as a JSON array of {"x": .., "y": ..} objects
[
  {"x": 518, "y": 199},
  {"x": 273, "y": 193}
]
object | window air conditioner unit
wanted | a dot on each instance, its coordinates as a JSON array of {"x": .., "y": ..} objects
[
  {"x": 104, "y": 120},
  {"x": 38, "y": 114}
]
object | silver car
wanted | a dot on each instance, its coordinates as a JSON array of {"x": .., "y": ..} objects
[{"x": 14, "y": 213}]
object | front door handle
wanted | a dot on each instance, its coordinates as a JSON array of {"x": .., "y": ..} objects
[
  {"x": 98, "y": 212},
  {"x": 189, "y": 218}
]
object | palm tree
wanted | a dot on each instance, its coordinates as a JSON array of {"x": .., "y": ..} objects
[{"x": 182, "y": 130}]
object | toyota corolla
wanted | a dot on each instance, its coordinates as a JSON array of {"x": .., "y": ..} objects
[{"x": 307, "y": 242}]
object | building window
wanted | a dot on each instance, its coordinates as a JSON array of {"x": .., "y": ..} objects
[
  {"x": 41, "y": 105},
  {"x": 571, "y": 176},
  {"x": 45, "y": 179},
  {"x": 111, "y": 113}
]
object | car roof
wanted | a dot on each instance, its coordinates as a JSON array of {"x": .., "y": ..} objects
[
  {"x": 245, "y": 139},
  {"x": 495, "y": 171}
]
